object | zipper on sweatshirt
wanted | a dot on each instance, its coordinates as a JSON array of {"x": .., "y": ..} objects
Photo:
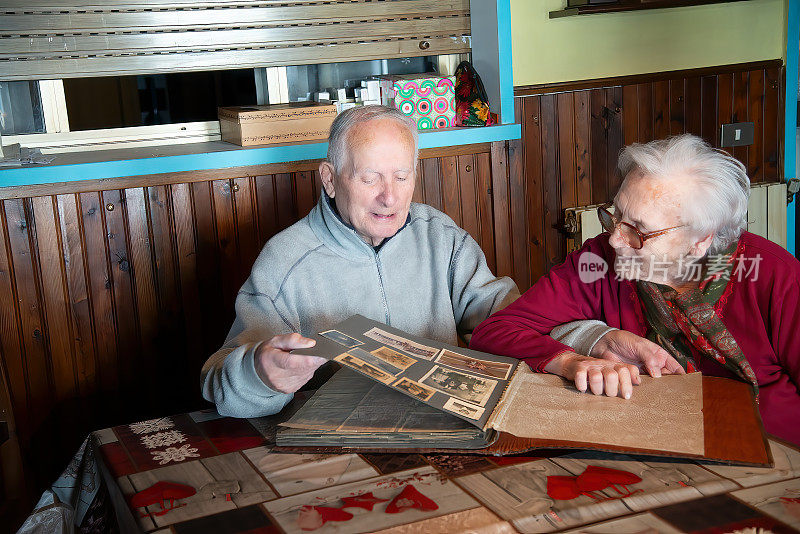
[{"x": 383, "y": 290}]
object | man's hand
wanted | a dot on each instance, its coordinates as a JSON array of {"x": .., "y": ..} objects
[
  {"x": 626, "y": 347},
  {"x": 284, "y": 372},
  {"x": 599, "y": 376}
]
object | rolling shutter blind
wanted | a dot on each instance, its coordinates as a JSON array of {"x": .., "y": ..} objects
[{"x": 45, "y": 39}]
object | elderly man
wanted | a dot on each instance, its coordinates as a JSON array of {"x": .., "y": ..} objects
[
  {"x": 364, "y": 249},
  {"x": 692, "y": 290}
]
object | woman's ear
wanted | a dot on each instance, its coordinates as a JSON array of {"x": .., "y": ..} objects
[
  {"x": 699, "y": 249},
  {"x": 327, "y": 175}
]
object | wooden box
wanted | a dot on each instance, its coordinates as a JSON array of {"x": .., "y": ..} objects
[{"x": 278, "y": 123}]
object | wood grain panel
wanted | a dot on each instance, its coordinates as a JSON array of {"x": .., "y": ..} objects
[
  {"x": 598, "y": 146},
  {"x": 432, "y": 183},
  {"x": 529, "y": 111},
  {"x": 740, "y": 111},
  {"x": 36, "y": 373},
  {"x": 484, "y": 187},
  {"x": 56, "y": 314},
  {"x": 693, "y": 106},
  {"x": 78, "y": 294},
  {"x": 773, "y": 109},
  {"x": 583, "y": 188},
  {"x": 451, "y": 194},
  {"x": 677, "y": 107},
  {"x": 551, "y": 186},
  {"x": 755, "y": 112},
  {"x": 467, "y": 193},
  {"x": 615, "y": 138},
  {"x": 105, "y": 325},
  {"x": 661, "y": 116}
]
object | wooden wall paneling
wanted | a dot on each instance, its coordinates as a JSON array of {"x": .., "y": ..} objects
[
  {"x": 598, "y": 146},
  {"x": 183, "y": 222},
  {"x": 740, "y": 112},
  {"x": 226, "y": 236},
  {"x": 551, "y": 185},
  {"x": 710, "y": 110},
  {"x": 432, "y": 183},
  {"x": 266, "y": 214},
  {"x": 216, "y": 319},
  {"x": 501, "y": 210},
  {"x": 285, "y": 205},
  {"x": 484, "y": 189},
  {"x": 304, "y": 182},
  {"x": 693, "y": 106},
  {"x": 630, "y": 114},
  {"x": 141, "y": 261},
  {"x": 519, "y": 215},
  {"x": 528, "y": 110},
  {"x": 773, "y": 109},
  {"x": 100, "y": 293},
  {"x": 80, "y": 315},
  {"x": 468, "y": 195},
  {"x": 677, "y": 106},
  {"x": 171, "y": 353},
  {"x": 661, "y": 118},
  {"x": 646, "y": 112},
  {"x": 14, "y": 490},
  {"x": 451, "y": 201},
  {"x": 615, "y": 137},
  {"x": 583, "y": 184},
  {"x": 755, "y": 113},
  {"x": 10, "y": 341},
  {"x": 724, "y": 102},
  {"x": 54, "y": 299},
  {"x": 245, "y": 207},
  {"x": 36, "y": 372},
  {"x": 565, "y": 120}
]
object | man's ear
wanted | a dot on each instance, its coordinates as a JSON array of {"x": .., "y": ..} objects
[
  {"x": 326, "y": 174},
  {"x": 700, "y": 248}
]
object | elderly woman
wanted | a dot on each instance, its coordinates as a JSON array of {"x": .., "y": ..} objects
[{"x": 690, "y": 290}]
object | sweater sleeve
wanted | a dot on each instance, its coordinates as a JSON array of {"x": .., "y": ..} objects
[
  {"x": 779, "y": 403},
  {"x": 522, "y": 330},
  {"x": 475, "y": 292},
  {"x": 229, "y": 377}
]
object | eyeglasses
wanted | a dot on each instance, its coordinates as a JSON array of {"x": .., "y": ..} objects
[{"x": 632, "y": 236}]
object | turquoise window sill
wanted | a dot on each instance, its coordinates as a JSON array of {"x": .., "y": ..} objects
[{"x": 98, "y": 165}]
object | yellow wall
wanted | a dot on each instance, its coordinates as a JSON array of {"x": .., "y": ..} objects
[{"x": 615, "y": 44}]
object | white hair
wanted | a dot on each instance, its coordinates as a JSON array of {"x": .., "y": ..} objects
[
  {"x": 338, "y": 148},
  {"x": 721, "y": 186}
]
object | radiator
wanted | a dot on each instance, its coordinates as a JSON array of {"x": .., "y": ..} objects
[{"x": 766, "y": 216}]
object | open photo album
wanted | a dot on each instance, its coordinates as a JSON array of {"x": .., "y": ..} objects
[{"x": 396, "y": 391}]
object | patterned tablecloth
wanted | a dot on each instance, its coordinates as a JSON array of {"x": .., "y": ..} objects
[{"x": 199, "y": 472}]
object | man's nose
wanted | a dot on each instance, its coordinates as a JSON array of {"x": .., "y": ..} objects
[{"x": 388, "y": 194}]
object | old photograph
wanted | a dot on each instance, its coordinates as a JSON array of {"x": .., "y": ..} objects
[
  {"x": 395, "y": 358},
  {"x": 461, "y": 408},
  {"x": 467, "y": 387},
  {"x": 415, "y": 389},
  {"x": 401, "y": 343},
  {"x": 375, "y": 361},
  {"x": 351, "y": 361},
  {"x": 341, "y": 338},
  {"x": 474, "y": 365}
]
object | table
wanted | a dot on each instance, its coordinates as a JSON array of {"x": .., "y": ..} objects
[{"x": 218, "y": 474}]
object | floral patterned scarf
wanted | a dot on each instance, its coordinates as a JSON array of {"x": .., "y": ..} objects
[{"x": 679, "y": 321}]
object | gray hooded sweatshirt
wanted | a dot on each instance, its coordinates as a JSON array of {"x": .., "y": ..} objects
[{"x": 429, "y": 279}]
